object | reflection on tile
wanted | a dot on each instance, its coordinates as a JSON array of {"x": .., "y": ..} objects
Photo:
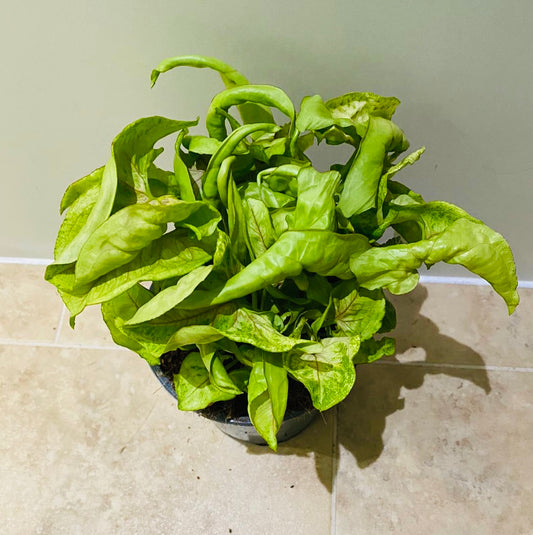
[
  {"x": 436, "y": 450},
  {"x": 90, "y": 330},
  {"x": 89, "y": 438},
  {"x": 30, "y": 307},
  {"x": 467, "y": 325}
]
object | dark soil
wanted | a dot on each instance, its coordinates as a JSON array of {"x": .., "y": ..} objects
[{"x": 299, "y": 399}]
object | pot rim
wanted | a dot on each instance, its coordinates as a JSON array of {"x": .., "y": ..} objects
[{"x": 290, "y": 414}]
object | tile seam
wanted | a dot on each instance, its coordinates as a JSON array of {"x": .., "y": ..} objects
[
  {"x": 519, "y": 369},
  {"x": 60, "y": 324},
  {"x": 334, "y": 468},
  {"x": 41, "y": 343}
]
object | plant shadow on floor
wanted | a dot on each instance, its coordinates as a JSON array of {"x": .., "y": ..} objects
[{"x": 380, "y": 388}]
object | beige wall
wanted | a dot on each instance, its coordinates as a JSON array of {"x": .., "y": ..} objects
[{"x": 75, "y": 72}]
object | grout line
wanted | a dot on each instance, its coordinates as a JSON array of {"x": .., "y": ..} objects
[
  {"x": 38, "y": 343},
  {"x": 334, "y": 468},
  {"x": 60, "y": 325},
  {"x": 461, "y": 366}
]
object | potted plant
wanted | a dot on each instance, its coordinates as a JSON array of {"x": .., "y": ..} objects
[{"x": 246, "y": 263}]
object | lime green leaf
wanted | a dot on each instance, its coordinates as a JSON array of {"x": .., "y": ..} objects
[
  {"x": 328, "y": 372},
  {"x": 180, "y": 182},
  {"x": 264, "y": 149},
  {"x": 78, "y": 212},
  {"x": 122, "y": 237},
  {"x": 218, "y": 375},
  {"x": 193, "y": 334},
  {"x": 172, "y": 296},
  {"x": 271, "y": 199},
  {"x": 202, "y": 144},
  {"x": 260, "y": 231},
  {"x": 358, "y": 311},
  {"x": 316, "y": 251},
  {"x": 99, "y": 213},
  {"x": 193, "y": 386},
  {"x": 63, "y": 278},
  {"x": 353, "y": 104},
  {"x": 227, "y": 148},
  {"x": 229, "y": 75},
  {"x": 81, "y": 186},
  {"x": 250, "y": 112},
  {"x": 172, "y": 255},
  {"x": 315, "y": 206},
  {"x": 237, "y": 222},
  {"x": 265, "y": 95},
  {"x": 397, "y": 188},
  {"x": 118, "y": 310},
  {"x": 267, "y": 395},
  {"x": 282, "y": 220},
  {"x": 465, "y": 241},
  {"x": 131, "y": 146},
  {"x": 360, "y": 191},
  {"x": 253, "y": 328},
  {"x": 315, "y": 115},
  {"x": 383, "y": 188},
  {"x": 150, "y": 339}
]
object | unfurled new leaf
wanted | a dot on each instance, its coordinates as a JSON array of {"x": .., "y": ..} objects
[
  {"x": 250, "y": 112},
  {"x": 360, "y": 191},
  {"x": 315, "y": 206}
]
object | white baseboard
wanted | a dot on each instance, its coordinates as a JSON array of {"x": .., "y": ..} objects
[
  {"x": 26, "y": 261},
  {"x": 468, "y": 281},
  {"x": 425, "y": 279}
]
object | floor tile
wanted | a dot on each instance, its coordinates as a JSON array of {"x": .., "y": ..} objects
[
  {"x": 466, "y": 325},
  {"x": 91, "y": 443},
  {"x": 436, "y": 450},
  {"x": 90, "y": 330},
  {"x": 30, "y": 307}
]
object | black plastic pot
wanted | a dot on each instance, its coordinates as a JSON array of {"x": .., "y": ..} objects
[{"x": 241, "y": 427}]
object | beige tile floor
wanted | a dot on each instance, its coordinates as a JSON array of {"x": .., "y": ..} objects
[{"x": 438, "y": 440}]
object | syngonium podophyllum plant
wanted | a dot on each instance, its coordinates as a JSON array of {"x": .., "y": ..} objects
[{"x": 249, "y": 259}]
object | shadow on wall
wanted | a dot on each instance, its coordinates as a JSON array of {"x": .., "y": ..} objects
[{"x": 379, "y": 389}]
